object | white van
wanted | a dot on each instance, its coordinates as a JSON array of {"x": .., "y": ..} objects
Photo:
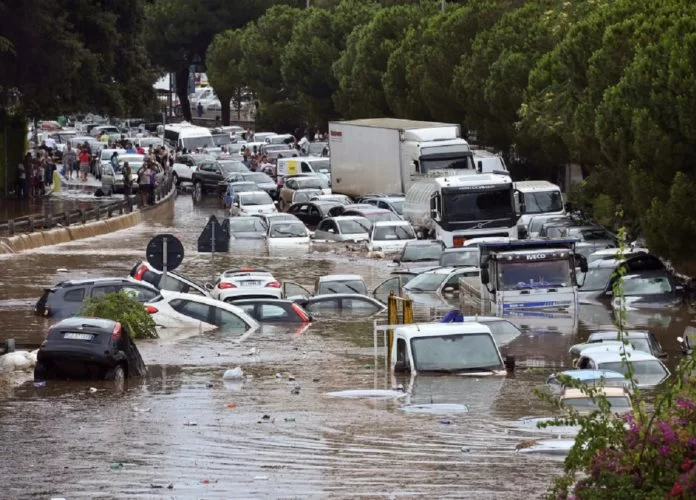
[
  {"x": 488, "y": 163},
  {"x": 304, "y": 165},
  {"x": 185, "y": 135}
]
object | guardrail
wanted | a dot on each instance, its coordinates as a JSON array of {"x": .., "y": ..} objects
[{"x": 29, "y": 224}]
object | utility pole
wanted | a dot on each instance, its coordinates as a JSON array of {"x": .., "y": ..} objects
[
  {"x": 308, "y": 3},
  {"x": 442, "y": 5}
]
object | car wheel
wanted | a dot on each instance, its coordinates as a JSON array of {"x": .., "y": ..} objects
[
  {"x": 197, "y": 192},
  {"x": 176, "y": 179},
  {"x": 116, "y": 374},
  {"x": 40, "y": 372}
]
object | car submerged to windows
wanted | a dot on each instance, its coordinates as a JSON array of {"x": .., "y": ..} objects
[
  {"x": 343, "y": 228},
  {"x": 247, "y": 228},
  {"x": 287, "y": 232},
  {"x": 390, "y": 237},
  {"x": 423, "y": 252},
  {"x": 462, "y": 256},
  {"x": 647, "y": 369},
  {"x": 252, "y": 202}
]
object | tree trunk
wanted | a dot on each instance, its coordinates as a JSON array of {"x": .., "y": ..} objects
[
  {"x": 225, "y": 110},
  {"x": 182, "y": 79}
]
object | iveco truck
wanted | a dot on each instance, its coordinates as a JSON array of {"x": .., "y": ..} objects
[
  {"x": 387, "y": 155},
  {"x": 458, "y": 208}
]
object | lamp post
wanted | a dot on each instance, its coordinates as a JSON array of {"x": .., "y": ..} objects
[{"x": 442, "y": 5}]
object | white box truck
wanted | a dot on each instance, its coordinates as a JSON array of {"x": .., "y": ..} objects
[{"x": 387, "y": 155}]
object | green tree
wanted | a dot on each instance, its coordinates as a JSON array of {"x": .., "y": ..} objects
[
  {"x": 179, "y": 32},
  {"x": 263, "y": 41},
  {"x": 122, "y": 307},
  {"x": 223, "y": 64},
  {"x": 361, "y": 66}
]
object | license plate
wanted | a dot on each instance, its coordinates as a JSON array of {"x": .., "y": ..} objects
[
  {"x": 78, "y": 336},
  {"x": 251, "y": 283}
]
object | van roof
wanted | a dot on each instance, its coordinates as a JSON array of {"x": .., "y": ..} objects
[
  {"x": 416, "y": 330},
  {"x": 531, "y": 186}
]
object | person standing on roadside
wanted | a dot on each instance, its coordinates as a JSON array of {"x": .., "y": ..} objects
[
  {"x": 143, "y": 183},
  {"x": 69, "y": 161},
  {"x": 85, "y": 158},
  {"x": 127, "y": 180},
  {"x": 22, "y": 181}
]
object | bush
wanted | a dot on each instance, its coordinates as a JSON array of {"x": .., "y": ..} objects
[{"x": 122, "y": 307}]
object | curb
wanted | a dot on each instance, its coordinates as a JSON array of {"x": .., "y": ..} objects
[{"x": 29, "y": 241}]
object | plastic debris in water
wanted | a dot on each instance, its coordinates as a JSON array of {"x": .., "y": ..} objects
[
  {"x": 116, "y": 466},
  {"x": 61, "y": 270},
  {"x": 231, "y": 405},
  {"x": 92, "y": 390},
  {"x": 190, "y": 424},
  {"x": 233, "y": 374},
  {"x": 40, "y": 383},
  {"x": 289, "y": 419},
  {"x": 445, "y": 421},
  {"x": 296, "y": 390},
  {"x": 465, "y": 449}
]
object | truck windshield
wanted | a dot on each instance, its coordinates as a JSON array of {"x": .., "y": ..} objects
[
  {"x": 540, "y": 274},
  {"x": 478, "y": 205},
  {"x": 455, "y": 353},
  {"x": 542, "y": 202},
  {"x": 192, "y": 143},
  {"x": 453, "y": 163}
]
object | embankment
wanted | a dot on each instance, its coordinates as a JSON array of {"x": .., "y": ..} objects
[{"x": 28, "y": 241}]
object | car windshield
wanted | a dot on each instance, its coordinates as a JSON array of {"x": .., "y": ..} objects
[
  {"x": 258, "y": 178},
  {"x": 426, "y": 282},
  {"x": 238, "y": 225},
  {"x": 382, "y": 233},
  {"x": 415, "y": 253},
  {"x": 321, "y": 166},
  {"x": 587, "y": 403},
  {"x": 598, "y": 234},
  {"x": 354, "y": 226},
  {"x": 398, "y": 206},
  {"x": 649, "y": 367},
  {"x": 191, "y": 143},
  {"x": 644, "y": 285},
  {"x": 537, "y": 223},
  {"x": 288, "y": 230},
  {"x": 311, "y": 182},
  {"x": 348, "y": 286},
  {"x": 455, "y": 353},
  {"x": 471, "y": 205},
  {"x": 468, "y": 258},
  {"x": 503, "y": 331},
  {"x": 526, "y": 275},
  {"x": 244, "y": 187},
  {"x": 255, "y": 198},
  {"x": 597, "y": 278},
  {"x": 541, "y": 202},
  {"x": 231, "y": 167},
  {"x": 222, "y": 139},
  {"x": 304, "y": 195}
]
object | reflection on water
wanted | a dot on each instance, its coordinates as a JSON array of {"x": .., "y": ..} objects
[{"x": 310, "y": 445}]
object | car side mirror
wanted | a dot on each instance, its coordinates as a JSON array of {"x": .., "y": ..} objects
[
  {"x": 208, "y": 286},
  {"x": 479, "y": 166},
  {"x": 485, "y": 276},
  {"x": 448, "y": 289}
]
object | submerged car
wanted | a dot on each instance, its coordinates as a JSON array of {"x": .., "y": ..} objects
[
  {"x": 650, "y": 290},
  {"x": 174, "y": 282},
  {"x": 180, "y": 310},
  {"x": 344, "y": 303},
  {"x": 311, "y": 212},
  {"x": 440, "y": 280},
  {"x": 343, "y": 228},
  {"x": 390, "y": 236},
  {"x": 648, "y": 370},
  {"x": 252, "y": 202},
  {"x": 639, "y": 340},
  {"x": 462, "y": 256},
  {"x": 340, "y": 283},
  {"x": 580, "y": 401},
  {"x": 597, "y": 284},
  {"x": 88, "y": 348},
  {"x": 287, "y": 232},
  {"x": 248, "y": 227},
  {"x": 246, "y": 282},
  {"x": 274, "y": 310},
  {"x": 422, "y": 252},
  {"x": 588, "y": 377}
]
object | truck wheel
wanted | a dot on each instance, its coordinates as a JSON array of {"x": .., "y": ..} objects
[
  {"x": 9, "y": 345},
  {"x": 116, "y": 374}
]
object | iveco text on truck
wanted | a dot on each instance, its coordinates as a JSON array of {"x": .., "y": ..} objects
[
  {"x": 456, "y": 209},
  {"x": 386, "y": 155}
]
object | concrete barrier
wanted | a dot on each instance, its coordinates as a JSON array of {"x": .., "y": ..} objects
[{"x": 28, "y": 241}]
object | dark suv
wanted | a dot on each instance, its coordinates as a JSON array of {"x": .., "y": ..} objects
[
  {"x": 88, "y": 348},
  {"x": 65, "y": 299}
]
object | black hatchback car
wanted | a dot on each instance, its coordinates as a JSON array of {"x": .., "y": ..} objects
[
  {"x": 88, "y": 348},
  {"x": 65, "y": 299}
]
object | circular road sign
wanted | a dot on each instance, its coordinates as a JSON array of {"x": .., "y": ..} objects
[{"x": 155, "y": 252}]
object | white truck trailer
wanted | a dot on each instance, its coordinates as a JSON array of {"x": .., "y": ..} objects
[
  {"x": 387, "y": 155},
  {"x": 456, "y": 209},
  {"x": 537, "y": 275}
]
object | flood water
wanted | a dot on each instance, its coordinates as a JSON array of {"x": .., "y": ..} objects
[{"x": 183, "y": 426}]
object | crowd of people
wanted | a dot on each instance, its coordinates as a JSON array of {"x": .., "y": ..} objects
[{"x": 35, "y": 174}]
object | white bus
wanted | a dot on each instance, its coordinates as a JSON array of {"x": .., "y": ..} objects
[{"x": 185, "y": 135}]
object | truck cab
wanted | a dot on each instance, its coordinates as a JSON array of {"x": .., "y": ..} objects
[
  {"x": 537, "y": 198},
  {"x": 462, "y": 348},
  {"x": 523, "y": 275}
]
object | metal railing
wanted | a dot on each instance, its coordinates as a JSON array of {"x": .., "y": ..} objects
[{"x": 29, "y": 224}]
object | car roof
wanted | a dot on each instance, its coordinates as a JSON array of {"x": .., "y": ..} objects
[
  {"x": 340, "y": 218},
  {"x": 102, "y": 281},
  {"x": 423, "y": 243},
  {"x": 245, "y": 218},
  {"x": 591, "y": 374},
  {"x": 611, "y": 356},
  {"x": 573, "y": 393},
  {"x": 415, "y": 330},
  {"x": 242, "y": 183},
  {"x": 450, "y": 270},
  {"x": 392, "y": 223},
  {"x": 334, "y": 296},
  {"x": 166, "y": 294},
  {"x": 263, "y": 300},
  {"x": 244, "y": 270},
  {"x": 80, "y": 321},
  {"x": 472, "y": 248},
  {"x": 340, "y": 277},
  {"x": 613, "y": 335}
]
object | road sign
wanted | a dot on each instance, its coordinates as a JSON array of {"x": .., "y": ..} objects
[
  {"x": 165, "y": 252},
  {"x": 215, "y": 236}
]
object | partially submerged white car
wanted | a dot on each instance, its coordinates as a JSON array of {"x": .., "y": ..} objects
[
  {"x": 287, "y": 232},
  {"x": 252, "y": 202},
  {"x": 390, "y": 236},
  {"x": 247, "y": 283}
]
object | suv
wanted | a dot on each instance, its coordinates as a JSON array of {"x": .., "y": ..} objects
[
  {"x": 393, "y": 202},
  {"x": 143, "y": 271},
  {"x": 65, "y": 299},
  {"x": 90, "y": 348}
]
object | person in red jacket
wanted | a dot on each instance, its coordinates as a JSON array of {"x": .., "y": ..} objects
[{"x": 85, "y": 159}]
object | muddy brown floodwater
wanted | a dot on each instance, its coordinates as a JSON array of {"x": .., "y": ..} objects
[{"x": 64, "y": 440}]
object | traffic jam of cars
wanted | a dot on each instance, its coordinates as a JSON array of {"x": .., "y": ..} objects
[{"x": 462, "y": 239}]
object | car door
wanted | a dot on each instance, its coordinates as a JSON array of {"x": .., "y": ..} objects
[
  {"x": 391, "y": 285},
  {"x": 301, "y": 211},
  {"x": 140, "y": 293},
  {"x": 294, "y": 290},
  {"x": 108, "y": 176},
  {"x": 326, "y": 230},
  {"x": 314, "y": 216},
  {"x": 227, "y": 321},
  {"x": 195, "y": 310},
  {"x": 70, "y": 305}
]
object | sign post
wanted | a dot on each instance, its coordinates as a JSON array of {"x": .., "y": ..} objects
[{"x": 165, "y": 253}]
